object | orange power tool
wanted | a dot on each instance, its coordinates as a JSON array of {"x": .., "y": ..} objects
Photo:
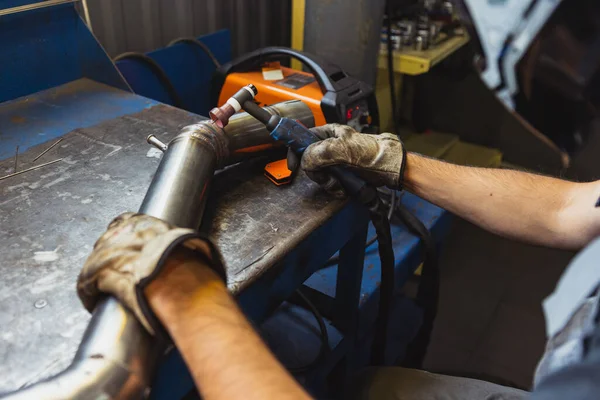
[{"x": 332, "y": 94}]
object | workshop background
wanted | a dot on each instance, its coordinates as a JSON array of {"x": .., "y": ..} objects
[
  {"x": 144, "y": 25},
  {"x": 490, "y": 323}
]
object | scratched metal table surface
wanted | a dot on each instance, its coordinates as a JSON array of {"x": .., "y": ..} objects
[{"x": 51, "y": 217}]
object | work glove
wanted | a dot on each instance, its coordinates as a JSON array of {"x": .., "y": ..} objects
[
  {"x": 377, "y": 159},
  {"x": 293, "y": 160},
  {"x": 130, "y": 254}
]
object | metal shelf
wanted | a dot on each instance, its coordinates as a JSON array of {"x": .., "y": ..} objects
[{"x": 413, "y": 62}]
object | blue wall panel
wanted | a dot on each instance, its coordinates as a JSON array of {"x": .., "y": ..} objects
[
  {"x": 49, "y": 114},
  {"x": 44, "y": 48}
]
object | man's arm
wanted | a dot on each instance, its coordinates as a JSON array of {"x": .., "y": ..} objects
[
  {"x": 226, "y": 357},
  {"x": 518, "y": 205},
  {"x": 532, "y": 208},
  {"x": 174, "y": 278}
]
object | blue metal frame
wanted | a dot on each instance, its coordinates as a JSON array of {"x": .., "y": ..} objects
[
  {"x": 48, "y": 47},
  {"x": 34, "y": 119},
  {"x": 348, "y": 296},
  {"x": 43, "y": 49}
]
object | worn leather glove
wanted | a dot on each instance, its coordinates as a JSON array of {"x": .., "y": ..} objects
[
  {"x": 130, "y": 254},
  {"x": 378, "y": 159}
]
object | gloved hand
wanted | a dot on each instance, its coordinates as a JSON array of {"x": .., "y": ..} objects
[
  {"x": 130, "y": 254},
  {"x": 293, "y": 160},
  {"x": 378, "y": 159}
]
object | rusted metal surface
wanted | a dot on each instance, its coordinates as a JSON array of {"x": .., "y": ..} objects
[
  {"x": 256, "y": 223},
  {"x": 52, "y": 216}
]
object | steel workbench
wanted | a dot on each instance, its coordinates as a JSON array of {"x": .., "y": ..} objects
[
  {"x": 272, "y": 238},
  {"x": 51, "y": 216}
]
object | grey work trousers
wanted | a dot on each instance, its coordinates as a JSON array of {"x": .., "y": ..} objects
[{"x": 396, "y": 383}]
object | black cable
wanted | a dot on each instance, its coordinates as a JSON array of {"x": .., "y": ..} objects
[
  {"x": 429, "y": 287},
  {"x": 199, "y": 44},
  {"x": 158, "y": 72},
  {"x": 379, "y": 218},
  {"x": 386, "y": 287},
  {"x": 336, "y": 259},
  {"x": 324, "y": 350},
  {"x": 428, "y": 291}
]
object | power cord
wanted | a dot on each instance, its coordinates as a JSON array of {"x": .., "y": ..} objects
[
  {"x": 158, "y": 72},
  {"x": 393, "y": 199},
  {"x": 429, "y": 287},
  {"x": 200, "y": 45},
  {"x": 324, "y": 350},
  {"x": 379, "y": 219},
  {"x": 428, "y": 291}
]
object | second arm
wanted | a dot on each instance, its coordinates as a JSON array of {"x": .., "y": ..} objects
[{"x": 528, "y": 207}]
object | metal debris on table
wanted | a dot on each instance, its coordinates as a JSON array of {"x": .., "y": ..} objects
[
  {"x": 29, "y": 169},
  {"x": 47, "y": 150}
]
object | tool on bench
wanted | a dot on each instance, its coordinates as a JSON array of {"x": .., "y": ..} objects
[
  {"x": 298, "y": 137},
  {"x": 294, "y": 135},
  {"x": 332, "y": 95}
]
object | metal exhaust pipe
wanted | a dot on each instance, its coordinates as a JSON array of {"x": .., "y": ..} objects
[{"x": 117, "y": 358}]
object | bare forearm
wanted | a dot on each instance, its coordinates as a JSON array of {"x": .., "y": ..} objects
[
  {"x": 226, "y": 357},
  {"x": 518, "y": 205}
]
